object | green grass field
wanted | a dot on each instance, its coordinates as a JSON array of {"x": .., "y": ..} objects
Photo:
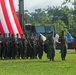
[{"x": 40, "y": 67}]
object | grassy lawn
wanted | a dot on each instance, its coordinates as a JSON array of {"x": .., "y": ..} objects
[{"x": 40, "y": 67}]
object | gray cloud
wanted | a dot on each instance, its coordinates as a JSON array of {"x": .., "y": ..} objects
[{"x": 31, "y": 5}]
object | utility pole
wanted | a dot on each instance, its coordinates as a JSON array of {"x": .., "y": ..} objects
[{"x": 21, "y": 13}]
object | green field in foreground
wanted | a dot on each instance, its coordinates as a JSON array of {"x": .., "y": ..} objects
[{"x": 40, "y": 67}]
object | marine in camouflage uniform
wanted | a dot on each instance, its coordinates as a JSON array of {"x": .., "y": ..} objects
[
  {"x": 40, "y": 47},
  {"x": 24, "y": 46},
  {"x": 5, "y": 45},
  {"x": 19, "y": 47},
  {"x": 34, "y": 46},
  {"x": 28, "y": 48},
  {"x": 9, "y": 46},
  {"x": 13, "y": 45},
  {"x": 51, "y": 50},
  {"x": 1, "y": 45},
  {"x": 62, "y": 41},
  {"x": 31, "y": 47}
]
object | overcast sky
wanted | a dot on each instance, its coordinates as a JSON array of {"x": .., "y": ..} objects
[{"x": 31, "y": 5}]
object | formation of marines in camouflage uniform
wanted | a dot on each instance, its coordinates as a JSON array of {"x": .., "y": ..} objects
[{"x": 13, "y": 47}]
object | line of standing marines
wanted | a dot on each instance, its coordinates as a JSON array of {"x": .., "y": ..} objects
[{"x": 13, "y": 47}]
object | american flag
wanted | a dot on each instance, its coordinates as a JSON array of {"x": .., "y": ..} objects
[{"x": 8, "y": 19}]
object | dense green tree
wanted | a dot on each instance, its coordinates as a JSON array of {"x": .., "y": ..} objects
[
  {"x": 62, "y": 17},
  {"x": 59, "y": 26}
]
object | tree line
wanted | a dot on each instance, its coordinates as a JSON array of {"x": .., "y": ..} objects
[{"x": 62, "y": 17}]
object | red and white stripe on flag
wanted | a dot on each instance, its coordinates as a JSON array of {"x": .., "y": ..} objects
[{"x": 8, "y": 19}]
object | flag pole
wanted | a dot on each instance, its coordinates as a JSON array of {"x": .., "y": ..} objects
[{"x": 21, "y": 13}]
